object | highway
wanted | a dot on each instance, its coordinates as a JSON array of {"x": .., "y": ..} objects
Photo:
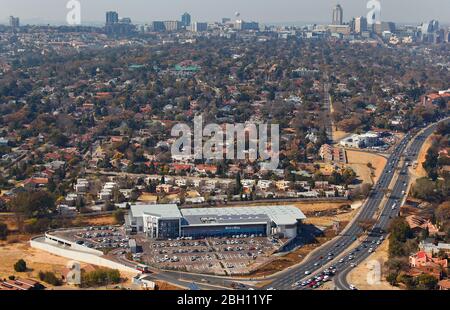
[
  {"x": 398, "y": 194},
  {"x": 349, "y": 236}
]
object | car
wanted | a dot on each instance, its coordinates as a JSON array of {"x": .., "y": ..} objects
[
  {"x": 341, "y": 260},
  {"x": 353, "y": 288},
  {"x": 296, "y": 284},
  {"x": 370, "y": 250},
  {"x": 316, "y": 264},
  {"x": 353, "y": 265},
  {"x": 307, "y": 272}
]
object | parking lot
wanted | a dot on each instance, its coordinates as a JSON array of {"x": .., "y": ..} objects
[
  {"x": 239, "y": 254},
  {"x": 103, "y": 238},
  {"x": 224, "y": 256}
]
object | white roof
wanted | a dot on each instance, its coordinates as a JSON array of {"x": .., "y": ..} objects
[
  {"x": 280, "y": 215},
  {"x": 162, "y": 210}
]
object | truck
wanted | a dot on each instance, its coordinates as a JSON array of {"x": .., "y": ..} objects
[{"x": 143, "y": 268}]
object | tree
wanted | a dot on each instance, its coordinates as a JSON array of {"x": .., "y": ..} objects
[
  {"x": 431, "y": 163},
  {"x": 426, "y": 282},
  {"x": 50, "y": 278},
  {"x": 99, "y": 277},
  {"x": 20, "y": 266},
  {"x": 366, "y": 225},
  {"x": 3, "y": 231},
  {"x": 119, "y": 216},
  {"x": 37, "y": 204}
]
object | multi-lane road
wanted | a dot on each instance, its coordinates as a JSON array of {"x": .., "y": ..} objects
[
  {"x": 398, "y": 194},
  {"x": 369, "y": 210},
  {"x": 378, "y": 206}
]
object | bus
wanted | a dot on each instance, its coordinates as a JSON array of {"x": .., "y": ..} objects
[{"x": 143, "y": 268}]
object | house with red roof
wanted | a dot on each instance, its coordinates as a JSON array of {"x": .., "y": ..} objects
[{"x": 423, "y": 259}]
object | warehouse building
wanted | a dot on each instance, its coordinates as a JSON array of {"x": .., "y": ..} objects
[{"x": 168, "y": 221}]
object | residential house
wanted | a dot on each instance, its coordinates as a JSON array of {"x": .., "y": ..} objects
[{"x": 423, "y": 259}]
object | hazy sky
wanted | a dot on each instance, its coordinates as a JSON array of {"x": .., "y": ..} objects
[{"x": 266, "y": 11}]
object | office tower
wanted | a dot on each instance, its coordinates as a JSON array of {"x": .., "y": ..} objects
[
  {"x": 112, "y": 17},
  {"x": 117, "y": 27},
  {"x": 360, "y": 24},
  {"x": 226, "y": 20},
  {"x": 158, "y": 26},
  {"x": 242, "y": 25},
  {"x": 380, "y": 27},
  {"x": 14, "y": 22},
  {"x": 199, "y": 27},
  {"x": 172, "y": 25},
  {"x": 338, "y": 15},
  {"x": 125, "y": 20},
  {"x": 186, "y": 20}
]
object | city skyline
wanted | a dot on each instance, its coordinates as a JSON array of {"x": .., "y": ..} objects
[{"x": 282, "y": 11}]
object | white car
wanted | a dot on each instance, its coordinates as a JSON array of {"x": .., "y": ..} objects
[
  {"x": 307, "y": 272},
  {"x": 353, "y": 288}
]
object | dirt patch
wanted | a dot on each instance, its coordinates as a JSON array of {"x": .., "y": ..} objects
[
  {"x": 419, "y": 171},
  {"x": 339, "y": 134},
  {"x": 98, "y": 220},
  {"x": 164, "y": 286},
  {"x": 328, "y": 221},
  {"x": 36, "y": 261},
  {"x": 360, "y": 275},
  {"x": 358, "y": 161},
  {"x": 307, "y": 207}
]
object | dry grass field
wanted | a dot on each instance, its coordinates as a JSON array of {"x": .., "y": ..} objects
[
  {"x": 359, "y": 275},
  {"x": 358, "y": 161}
]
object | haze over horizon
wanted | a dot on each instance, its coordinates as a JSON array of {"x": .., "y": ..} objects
[{"x": 264, "y": 11}]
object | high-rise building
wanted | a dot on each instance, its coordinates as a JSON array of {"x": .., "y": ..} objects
[
  {"x": 14, "y": 22},
  {"x": 114, "y": 26},
  {"x": 172, "y": 25},
  {"x": 112, "y": 17},
  {"x": 242, "y": 25},
  {"x": 185, "y": 20},
  {"x": 158, "y": 26},
  {"x": 380, "y": 27},
  {"x": 338, "y": 15},
  {"x": 199, "y": 27},
  {"x": 360, "y": 24}
]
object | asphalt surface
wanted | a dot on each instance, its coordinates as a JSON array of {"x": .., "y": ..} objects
[
  {"x": 343, "y": 243},
  {"x": 398, "y": 194}
]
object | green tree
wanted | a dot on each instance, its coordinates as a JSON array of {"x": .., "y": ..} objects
[
  {"x": 119, "y": 216},
  {"x": 50, "y": 278},
  {"x": 37, "y": 204},
  {"x": 3, "y": 231},
  {"x": 20, "y": 266},
  {"x": 426, "y": 282}
]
